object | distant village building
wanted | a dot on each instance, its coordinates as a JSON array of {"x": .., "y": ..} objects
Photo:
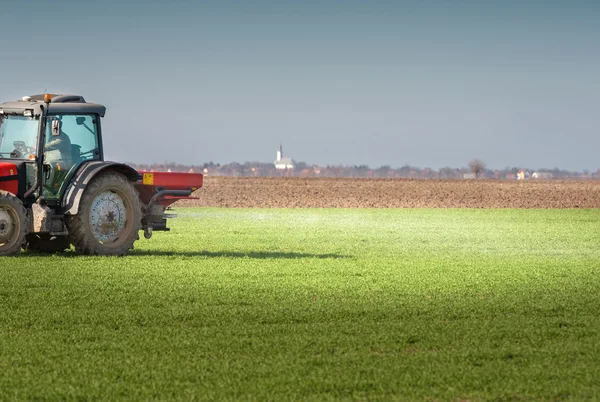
[
  {"x": 542, "y": 175},
  {"x": 523, "y": 175},
  {"x": 282, "y": 163}
]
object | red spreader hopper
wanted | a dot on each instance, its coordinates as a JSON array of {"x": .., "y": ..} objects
[{"x": 164, "y": 188}]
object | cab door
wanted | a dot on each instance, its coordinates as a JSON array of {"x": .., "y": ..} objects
[{"x": 70, "y": 140}]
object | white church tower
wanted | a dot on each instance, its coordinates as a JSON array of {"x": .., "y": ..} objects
[{"x": 283, "y": 163}]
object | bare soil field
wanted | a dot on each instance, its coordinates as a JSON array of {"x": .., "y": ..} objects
[{"x": 258, "y": 192}]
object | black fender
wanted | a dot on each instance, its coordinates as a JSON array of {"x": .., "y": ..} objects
[{"x": 82, "y": 177}]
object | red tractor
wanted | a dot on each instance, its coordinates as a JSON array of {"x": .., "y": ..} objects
[{"x": 57, "y": 190}]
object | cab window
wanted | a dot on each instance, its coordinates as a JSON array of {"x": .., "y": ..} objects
[
  {"x": 18, "y": 137},
  {"x": 70, "y": 140},
  {"x": 77, "y": 135}
]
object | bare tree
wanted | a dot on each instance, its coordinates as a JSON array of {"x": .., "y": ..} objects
[{"x": 477, "y": 166}]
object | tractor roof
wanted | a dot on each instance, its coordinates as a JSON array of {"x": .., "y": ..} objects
[{"x": 60, "y": 104}]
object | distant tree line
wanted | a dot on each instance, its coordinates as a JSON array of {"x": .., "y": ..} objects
[{"x": 475, "y": 168}]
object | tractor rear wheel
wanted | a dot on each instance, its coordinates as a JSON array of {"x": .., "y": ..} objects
[
  {"x": 44, "y": 243},
  {"x": 109, "y": 217},
  {"x": 13, "y": 224}
]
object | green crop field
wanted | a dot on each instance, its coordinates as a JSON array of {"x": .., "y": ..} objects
[{"x": 314, "y": 304}]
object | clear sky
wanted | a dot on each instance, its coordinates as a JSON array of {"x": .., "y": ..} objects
[{"x": 427, "y": 83}]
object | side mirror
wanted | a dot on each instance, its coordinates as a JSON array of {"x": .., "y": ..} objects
[
  {"x": 80, "y": 121},
  {"x": 56, "y": 124}
]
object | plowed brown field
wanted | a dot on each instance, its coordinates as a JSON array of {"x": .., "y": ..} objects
[{"x": 394, "y": 193}]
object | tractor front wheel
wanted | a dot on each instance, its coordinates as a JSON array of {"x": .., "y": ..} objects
[
  {"x": 13, "y": 224},
  {"x": 109, "y": 217}
]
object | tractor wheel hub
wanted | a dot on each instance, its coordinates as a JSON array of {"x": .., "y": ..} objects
[
  {"x": 108, "y": 216},
  {"x": 6, "y": 226}
]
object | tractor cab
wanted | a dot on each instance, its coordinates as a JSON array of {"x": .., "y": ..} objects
[{"x": 47, "y": 138}]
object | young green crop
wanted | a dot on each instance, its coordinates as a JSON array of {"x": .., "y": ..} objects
[{"x": 307, "y": 304}]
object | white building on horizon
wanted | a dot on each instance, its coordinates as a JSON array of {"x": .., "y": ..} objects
[{"x": 282, "y": 163}]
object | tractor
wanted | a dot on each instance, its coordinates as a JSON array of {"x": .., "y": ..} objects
[{"x": 56, "y": 189}]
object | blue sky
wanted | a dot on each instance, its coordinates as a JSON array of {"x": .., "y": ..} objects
[{"x": 426, "y": 83}]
